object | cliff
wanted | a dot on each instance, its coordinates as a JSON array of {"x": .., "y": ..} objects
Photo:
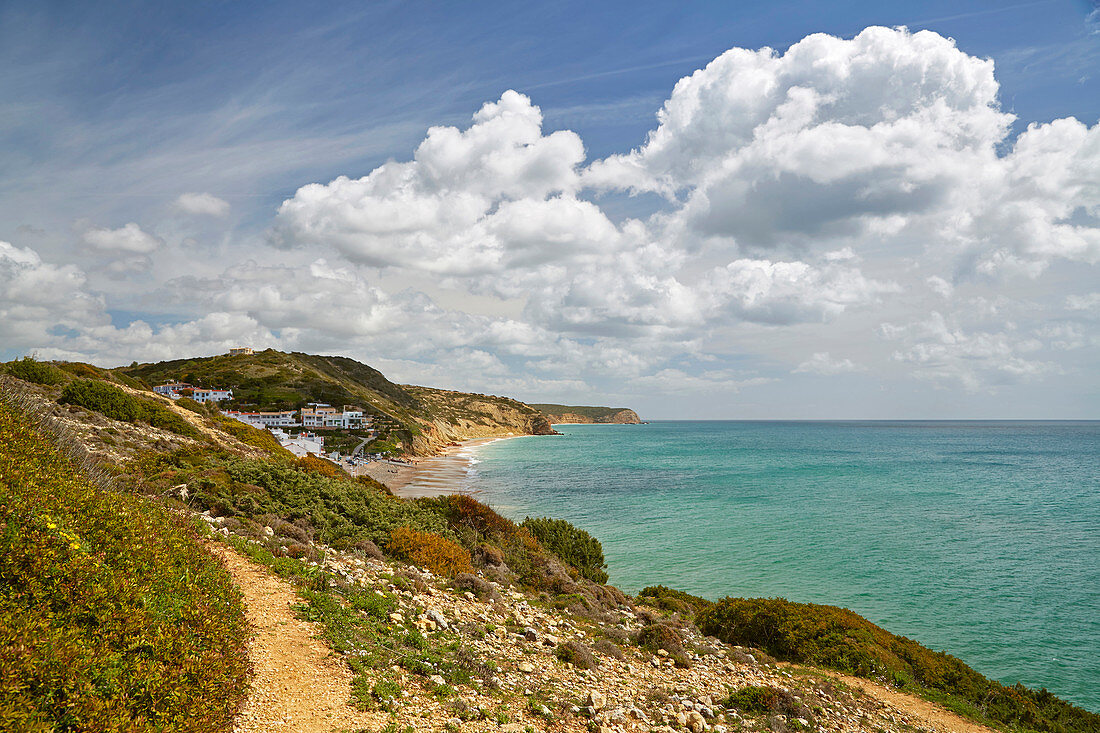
[{"x": 559, "y": 414}]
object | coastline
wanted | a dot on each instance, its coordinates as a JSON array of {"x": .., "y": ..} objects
[{"x": 451, "y": 472}]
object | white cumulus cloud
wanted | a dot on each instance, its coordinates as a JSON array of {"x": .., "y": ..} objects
[
  {"x": 129, "y": 238},
  {"x": 202, "y": 204}
]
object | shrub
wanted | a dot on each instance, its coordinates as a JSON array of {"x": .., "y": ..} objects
[
  {"x": 112, "y": 616},
  {"x": 40, "y": 372},
  {"x": 577, "y": 654},
  {"x": 249, "y": 435},
  {"x": 838, "y": 638},
  {"x": 765, "y": 700},
  {"x": 427, "y": 550},
  {"x": 117, "y": 404},
  {"x": 189, "y": 404},
  {"x": 609, "y": 648},
  {"x": 574, "y": 546},
  {"x": 674, "y": 600},
  {"x": 661, "y": 636}
]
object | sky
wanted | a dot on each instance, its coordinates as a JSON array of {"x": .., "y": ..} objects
[{"x": 713, "y": 210}]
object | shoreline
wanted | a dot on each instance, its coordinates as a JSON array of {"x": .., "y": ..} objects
[{"x": 450, "y": 472}]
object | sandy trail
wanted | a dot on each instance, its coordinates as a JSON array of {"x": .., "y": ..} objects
[
  {"x": 928, "y": 714},
  {"x": 298, "y": 686}
]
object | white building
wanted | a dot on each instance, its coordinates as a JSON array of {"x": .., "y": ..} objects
[
  {"x": 323, "y": 415},
  {"x": 175, "y": 390},
  {"x": 283, "y": 419}
]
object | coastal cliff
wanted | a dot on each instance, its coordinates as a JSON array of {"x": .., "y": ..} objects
[{"x": 562, "y": 414}]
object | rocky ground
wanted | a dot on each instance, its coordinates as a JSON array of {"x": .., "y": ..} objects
[{"x": 525, "y": 685}]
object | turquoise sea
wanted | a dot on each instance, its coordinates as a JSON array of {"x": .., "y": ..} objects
[{"x": 978, "y": 538}]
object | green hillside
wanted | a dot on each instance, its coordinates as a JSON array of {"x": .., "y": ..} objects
[{"x": 586, "y": 413}]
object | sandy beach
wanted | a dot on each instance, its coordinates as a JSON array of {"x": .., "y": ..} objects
[{"x": 452, "y": 472}]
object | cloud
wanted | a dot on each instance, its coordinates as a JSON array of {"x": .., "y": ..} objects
[
  {"x": 202, "y": 204},
  {"x": 940, "y": 349},
  {"x": 129, "y": 238},
  {"x": 822, "y": 363},
  {"x": 37, "y": 298}
]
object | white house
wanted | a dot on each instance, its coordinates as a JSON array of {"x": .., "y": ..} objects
[{"x": 175, "y": 389}]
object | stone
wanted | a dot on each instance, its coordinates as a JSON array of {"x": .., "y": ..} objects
[
  {"x": 662, "y": 652},
  {"x": 397, "y": 618},
  {"x": 550, "y": 640},
  {"x": 269, "y": 532},
  {"x": 695, "y": 722},
  {"x": 437, "y": 618},
  {"x": 530, "y": 634},
  {"x": 704, "y": 711},
  {"x": 526, "y": 667},
  {"x": 437, "y": 680},
  {"x": 681, "y": 719},
  {"x": 595, "y": 700}
]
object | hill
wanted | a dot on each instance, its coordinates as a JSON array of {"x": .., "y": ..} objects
[
  {"x": 560, "y": 414},
  {"x": 417, "y": 420}
]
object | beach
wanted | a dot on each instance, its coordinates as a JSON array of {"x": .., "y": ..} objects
[{"x": 451, "y": 472}]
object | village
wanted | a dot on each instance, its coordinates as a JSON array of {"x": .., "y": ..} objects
[{"x": 296, "y": 430}]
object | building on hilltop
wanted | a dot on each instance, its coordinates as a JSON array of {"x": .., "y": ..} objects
[
  {"x": 241, "y": 351},
  {"x": 175, "y": 390}
]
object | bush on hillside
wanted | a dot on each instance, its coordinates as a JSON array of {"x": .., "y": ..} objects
[
  {"x": 250, "y": 435},
  {"x": 838, "y": 638},
  {"x": 573, "y": 545},
  {"x": 113, "y": 616},
  {"x": 189, "y": 404},
  {"x": 40, "y": 372},
  {"x": 117, "y": 404},
  {"x": 427, "y": 550},
  {"x": 677, "y": 601}
]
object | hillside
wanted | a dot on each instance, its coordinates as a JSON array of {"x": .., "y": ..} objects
[
  {"x": 421, "y": 419},
  {"x": 440, "y": 608},
  {"x": 560, "y": 414}
]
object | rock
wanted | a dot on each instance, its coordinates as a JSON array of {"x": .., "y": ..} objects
[
  {"x": 595, "y": 700},
  {"x": 695, "y": 722},
  {"x": 269, "y": 532},
  {"x": 681, "y": 719},
  {"x": 704, "y": 711},
  {"x": 550, "y": 640},
  {"x": 437, "y": 618},
  {"x": 454, "y": 722},
  {"x": 662, "y": 652},
  {"x": 469, "y": 596},
  {"x": 707, "y": 700},
  {"x": 397, "y": 618},
  {"x": 687, "y": 704},
  {"x": 437, "y": 680},
  {"x": 803, "y": 722},
  {"x": 530, "y": 634},
  {"x": 526, "y": 667}
]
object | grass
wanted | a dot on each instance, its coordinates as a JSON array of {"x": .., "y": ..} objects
[{"x": 112, "y": 616}]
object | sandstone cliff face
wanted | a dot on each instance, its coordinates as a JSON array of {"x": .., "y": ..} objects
[{"x": 452, "y": 417}]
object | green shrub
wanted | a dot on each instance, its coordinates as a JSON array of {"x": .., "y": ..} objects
[
  {"x": 765, "y": 700},
  {"x": 574, "y": 546},
  {"x": 40, "y": 372},
  {"x": 118, "y": 404},
  {"x": 674, "y": 600},
  {"x": 838, "y": 638},
  {"x": 112, "y": 615},
  {"x": 189, "y": 404},
  {"x": 250, "y": 435}
]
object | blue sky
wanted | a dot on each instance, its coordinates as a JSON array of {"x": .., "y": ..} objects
[{"x": 112, "y": 112}]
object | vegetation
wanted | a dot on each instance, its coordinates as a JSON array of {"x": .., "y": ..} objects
[
  {"x": 357, "y": 624},
  {"x": 574, "y": 546},
  {"x": 835, "y": 637},
  {"x": 310, "y": 492},
  {"x": 427, "y": 550},
  {"x": 112, "y": 616},
  {"x": 595, "y": 414},
  {"x": 677, "y": 601},
  {"x": 113, "y": 402},
  {"x": 40, "y": 372}
]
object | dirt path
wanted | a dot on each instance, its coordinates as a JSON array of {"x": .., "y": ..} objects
[
  {"x": 931, "y": 715},
  {"x": 298, "y": 685}
]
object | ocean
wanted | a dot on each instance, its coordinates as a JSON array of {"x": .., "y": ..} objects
[{"x": 978, "y": 538}]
